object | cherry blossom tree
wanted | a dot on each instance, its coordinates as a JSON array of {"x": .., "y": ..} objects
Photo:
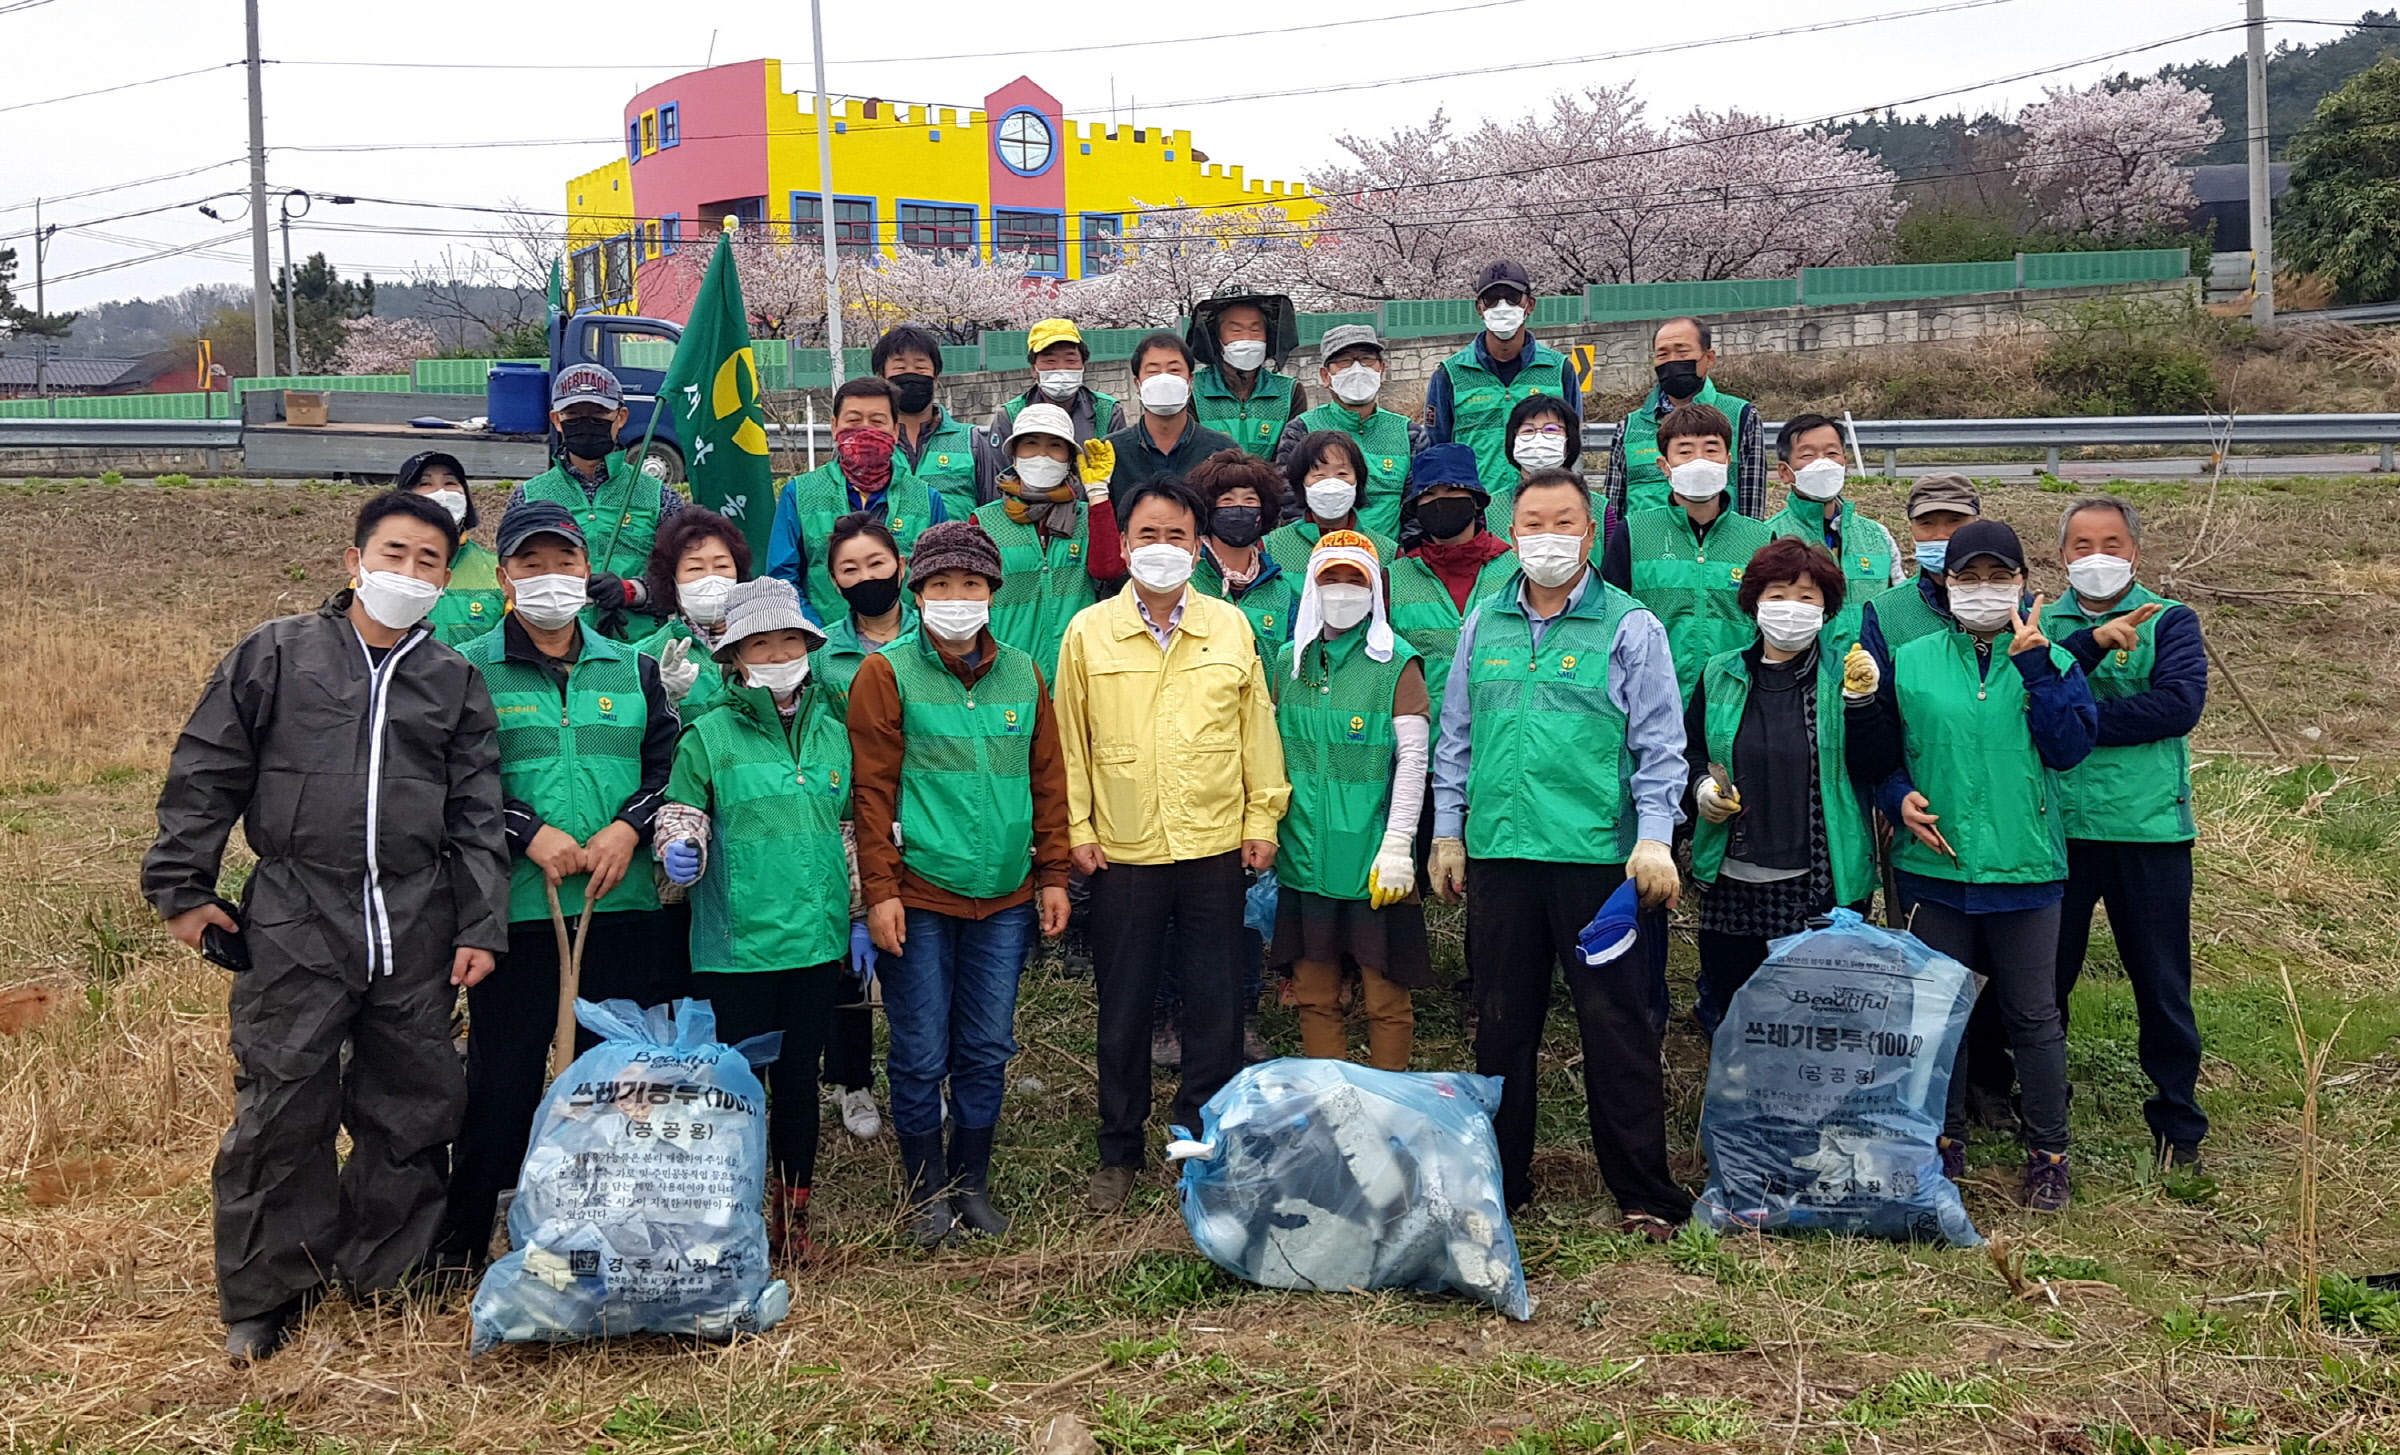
[
  {"x": 1176, "y": 255},
  {"x": 783, "y": 286},
  {"x": 2103, "y": 160},
  {"x": 372, "y": 345}
]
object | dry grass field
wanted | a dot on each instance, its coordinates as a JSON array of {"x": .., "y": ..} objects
[{"x": 2150, "y": 1319}]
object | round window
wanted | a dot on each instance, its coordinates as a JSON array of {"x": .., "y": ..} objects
[{"x": 1026, "y": 145}]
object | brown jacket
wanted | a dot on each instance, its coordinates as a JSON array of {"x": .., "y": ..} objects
[{"x": 876, "y": 748}]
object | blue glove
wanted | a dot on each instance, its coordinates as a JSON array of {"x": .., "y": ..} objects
[
  {"x": 1614, "y": 929},
  {"x": 682, "y": 860},
  {"x": 862, "y": 953}
]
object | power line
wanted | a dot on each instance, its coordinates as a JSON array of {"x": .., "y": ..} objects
[
  {"x": 484, "y": 65},
  {"x": 111, "y": 90},
  {"x": 21, "y": 5},
  {"x": 123, "y": 186},
  {"x": 1127, "y": 45}
]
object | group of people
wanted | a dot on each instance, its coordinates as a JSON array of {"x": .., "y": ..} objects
[{"x": 1057, "y": 668}]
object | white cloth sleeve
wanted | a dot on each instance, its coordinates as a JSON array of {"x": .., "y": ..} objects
[{"x": 1410, "y": 757}]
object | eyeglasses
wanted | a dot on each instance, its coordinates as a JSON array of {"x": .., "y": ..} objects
[{"x": 1557, "y": 431}]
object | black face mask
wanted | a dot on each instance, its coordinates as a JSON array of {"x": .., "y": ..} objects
[
  {"x": 1678, "y": 378},
  {"x": 872, "y": 595},
  {"x": 916, "y": 391},
  {"x": 1237, "y": 525},
  {"x": 1447, "y": 516},
  {"x": 589, "y": 438}
]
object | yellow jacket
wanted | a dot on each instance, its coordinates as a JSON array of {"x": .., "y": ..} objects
[{"x": 1170, "y": 755}]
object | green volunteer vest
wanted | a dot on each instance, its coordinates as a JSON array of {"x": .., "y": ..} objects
[
  {"x": 1902, "y": 615},
  {"x": 1423, "y": 615},
  {"x": 1480, "y": 405},
  {"x": 708, "y": 689},
  {"x": 575, "y": 761},
  {"x": 471, "y": 604},
  {"x": 1383, "y": 438},
  {"x": 1043, "y": 583},
  {"x": 1694, "y": 582},
  {"x": 2133, "y": 792},
  {"x": 947, "y": 463},
  {"x": 966, "y": 776},
  {"x": 777, "y": 892},
  {"x": 1268, "y": 603},
  {"x": 836, "y": 663},
  {"x": 1338, "y": 746},
  {"x": 1289, "y": 546},
  {"x": 1847, "y": 843},
  {"x": 1103, "y": 405},
  {"x": 1971, "y": 755},
  {"x": 1866, "y": 553},
  {"x": 1548, "y": 766},
  {"x": 1252, "y": 423},
  {"x": 823, "y": 498},
  {"x": 619, "y": 520},
  {"x": 1646, "y": 485}
]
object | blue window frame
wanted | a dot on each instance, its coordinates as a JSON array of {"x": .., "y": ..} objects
[
  {"x": 1040, "y": 237},
  {"x": 853, "y": 223},
  {"x": 1103, "y": 243},
  {"x": 1025, "y": 141},
  {"x": 670, "y": 125},
  {"x": 633, "y": 140},
  {"x": 938, "y": 227},
  {"x": 670, "y": 231},
  {"x": 583, "y": 277}
]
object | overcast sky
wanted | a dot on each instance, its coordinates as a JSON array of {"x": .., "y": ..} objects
[{"x": 576, "y": 63}]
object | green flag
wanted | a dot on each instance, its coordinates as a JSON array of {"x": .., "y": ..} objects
[
  {"x": 558, "y": 290},
  {"x": 712, "y": 387}
]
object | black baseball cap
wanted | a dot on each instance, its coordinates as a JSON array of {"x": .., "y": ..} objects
[
  {"x": 1982, "y": 537},
  {"x": 1501, "y": 271},
  {"x": 529, "y": 518}
]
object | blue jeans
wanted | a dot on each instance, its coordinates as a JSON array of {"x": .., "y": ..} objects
[{"x": 950, "y": 998}]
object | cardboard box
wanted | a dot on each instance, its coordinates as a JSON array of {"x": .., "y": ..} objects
[{"x": 304, "y": 408}]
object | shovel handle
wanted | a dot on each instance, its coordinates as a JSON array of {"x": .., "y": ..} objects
[{"x": 570, "y": 968}]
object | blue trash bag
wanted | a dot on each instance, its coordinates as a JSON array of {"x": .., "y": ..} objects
[
  {"x": 1827, "y": 1086},
  {"x": 1258, "y": 904},
  {"x": 1326, "y": 1175},
  {"x": 637, "y": 1210}
]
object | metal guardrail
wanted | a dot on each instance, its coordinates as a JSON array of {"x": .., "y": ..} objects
[{"x": 165, "y": 434}]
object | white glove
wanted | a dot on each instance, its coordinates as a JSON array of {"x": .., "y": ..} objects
[
  {"x": 1714, "y": 807},
  {"x": 1394, "y": 877},
  {"x": 1651, "y": 866},
  {"x": 1861, "y": 675},
  {"x": 677, "y": 672},
  {"x": 1447, "y": 865}
]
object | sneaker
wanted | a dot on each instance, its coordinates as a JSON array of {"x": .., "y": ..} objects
[
  {"x": 256, "y": 1339},
  {"x": 1254, "y": 1046},
  {"x": 1111, "y": 1186},
  {"x": 1954, "y": 1157},
  {"x": 1166, "y": 1048},
  {"x": 1645, "y": 1225},
  {"x": 859, "y": 1116},
  {"x": 2046, "y": 1181}
]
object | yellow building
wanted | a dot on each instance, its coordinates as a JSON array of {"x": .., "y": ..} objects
[{"x": 1015, "y": 177}]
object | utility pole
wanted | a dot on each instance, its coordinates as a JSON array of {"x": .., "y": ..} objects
[
  {"x": 833, "y": 276},
  {"x": 41, "y": 342},
  {"x": 262, "y": 286},
  {"x": 291, "y": 315},
  {"x": 2262, "y": 204}
]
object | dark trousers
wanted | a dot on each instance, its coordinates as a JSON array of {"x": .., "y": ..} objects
[
  {"x": 798, "y": 1003},
  {"x": 1132, "y": 908},
  {"x": 2017, "y": 951},
  {"x": 629, "y": 955},
  {"x": 291, "y": 1214},
  {"x": 850, "y": 1037},
  {"x": 1522, "y": 919},
  {"x": 1726, "y": 964},
  {"x": 2148, "y": 891}
]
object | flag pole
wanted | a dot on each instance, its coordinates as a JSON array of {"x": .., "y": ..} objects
[{"x": 833, "y": 279}]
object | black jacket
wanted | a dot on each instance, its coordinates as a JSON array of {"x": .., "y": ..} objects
[{"x": 370, "y": 793}]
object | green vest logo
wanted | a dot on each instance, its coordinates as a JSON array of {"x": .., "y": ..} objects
[
  {"x": 474, "y": 608},
  {"x": 1566, "y": 665},
  {"x": 941, "y": 459},
  {"x": 608, "y": 707},
  {"x": 1008, "y": 716},
  {"x": 1358, "y": 729}
]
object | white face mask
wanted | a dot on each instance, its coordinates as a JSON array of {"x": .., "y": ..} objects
[
  {"x": 1819, "y": 480},
  {"x": 1166, "y": 393},
  {"x": 1357, "y": 383},
  {"x": 1331, "y": 499},
  {"x": 2100, "y": 577},
  {"x": 1550, "y": 560},
  {"x": 1789, "y": 626},
  {"x": 1161, "y": 567},
  {"x": 550, "y": 602},
  {"x": 1698, "y": 479},
  {"x": 1502, "y": 320},
  {"x": 1061, "y": 384},
  {"x": 1245, "y": 354},
  {"x": 1983, "y": 607},
  {"x": 398, "y": 601},
  {"x": 1040, "y": 472},
  {"x": 1345, "y": 605},
  {"x": 454, "y": 501},
  {"x": 703, "y": 600},
  {"x": 780, "y": 678},
  {"x": 954, "y": 621},
  {"x": 1541, "y": 451}
]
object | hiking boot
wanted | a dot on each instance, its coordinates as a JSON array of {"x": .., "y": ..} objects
[
  {"x": 2046, "y": 1181},
  {"x": 1166, "y": 1048},
  {"x": 787, "y": 1226},
  {"x": 930, "y": 1220},
  {"x": 1111, "y": 1186},
  {"x": 256, "y": 1339},
  {"x": 2181, "y": 1159},
  {"x": 1954, "y": 1156},
  {"x": 859, "y": 1115},
  {"x": 971, "y": 1176}
]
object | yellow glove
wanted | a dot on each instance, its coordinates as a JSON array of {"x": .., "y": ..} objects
[
  {"x": 1394, "y": 877},
  {"x": 1860, "y": 675},
  {"x": 1716, "y": 807},
  {"x": 1651, "y": 866},
  {"x": 1447, "y": 867},
  {"x": 1098, "y": 464}
]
